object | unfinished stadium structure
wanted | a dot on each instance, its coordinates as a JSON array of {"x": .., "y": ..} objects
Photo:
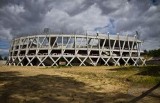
[{"x": 76, "y": 50}]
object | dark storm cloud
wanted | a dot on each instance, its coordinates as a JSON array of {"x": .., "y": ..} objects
[
  {"x": 77, "y": 16},
  {"x": 142, "y": 16},
  {"x": 104, "y": 5},
  {"x": 22, "y": 15}
]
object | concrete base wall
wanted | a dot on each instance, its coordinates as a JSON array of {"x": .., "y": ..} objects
[{"x": 2, "y": 62}]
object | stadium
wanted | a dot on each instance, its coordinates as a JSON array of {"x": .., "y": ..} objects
[{"x": 76, "y": 50}]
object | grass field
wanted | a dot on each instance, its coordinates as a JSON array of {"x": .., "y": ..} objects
[{"x": 78, "y": 84}]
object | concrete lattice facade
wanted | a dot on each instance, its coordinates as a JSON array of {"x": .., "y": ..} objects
[{"x": 79, "y": 50}]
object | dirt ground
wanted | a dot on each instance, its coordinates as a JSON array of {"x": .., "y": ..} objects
[{"x": 68, "y": 85}]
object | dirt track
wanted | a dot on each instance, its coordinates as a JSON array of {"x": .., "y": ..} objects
[{"x": 67, "y": 85}]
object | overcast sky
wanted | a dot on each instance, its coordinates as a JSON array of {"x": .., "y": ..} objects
[{"x": 78, "y": 16}]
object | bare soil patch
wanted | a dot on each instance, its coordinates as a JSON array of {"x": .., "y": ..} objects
[{"x": 70, "y": 85}]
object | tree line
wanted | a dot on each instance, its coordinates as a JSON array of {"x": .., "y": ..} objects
[
  {"x": 152, "y": 53},
  {"x": 1, "y": 58}
]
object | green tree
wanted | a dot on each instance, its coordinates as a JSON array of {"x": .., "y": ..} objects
[
  {"x": 1, "y": 57},
  {"x": 145, "y": 51},
  {"x": 5, "y": 58},
  {"x": 154, "y": 53}
]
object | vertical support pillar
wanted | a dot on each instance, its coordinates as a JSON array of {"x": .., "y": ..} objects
[
  {"x": 49, "y": 46},
  {"x": 37, "y": 45},
  {"x": 119, "y": 44},
  {"x": 129, "y": 46},
  {"x": 27, "y": 46},
  {"x": 87, "y": 43},
  {"x": 109, "y": 44},
  {"x": 138, "y": 44},
  {"x": 61, "y": 44},
  {"x": 75, "y": 40},
  {"x": 99, "y": 45}
]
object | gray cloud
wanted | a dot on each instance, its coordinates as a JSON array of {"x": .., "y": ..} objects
[{"x": 77, "y": 16}]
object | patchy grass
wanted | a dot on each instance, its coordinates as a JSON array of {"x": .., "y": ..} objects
[
  {"x": 99, "y": 84},
  {"x": 145, "y": 75},
  {"x": 149, "y": 75}
]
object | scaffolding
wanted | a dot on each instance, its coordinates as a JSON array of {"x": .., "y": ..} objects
[{"x": 76, "y": 50}]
